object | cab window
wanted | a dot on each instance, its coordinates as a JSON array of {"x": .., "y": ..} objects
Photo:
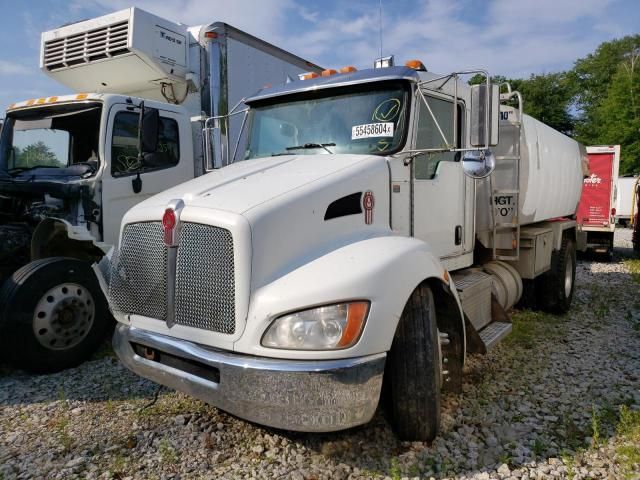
[
  {"x": 428, "y": 136},
  {"x": 124, "y": 146}
]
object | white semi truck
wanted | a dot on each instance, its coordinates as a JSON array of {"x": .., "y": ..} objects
[
  {"x": 366, "y": 235},
  {"x": 71, "y": 166}
]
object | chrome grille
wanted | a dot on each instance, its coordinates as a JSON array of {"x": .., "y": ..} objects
[
  {"x": 86, "y": 47},
  {"x": 205, "y": 279},
  {"x": 138, "y": 279}
]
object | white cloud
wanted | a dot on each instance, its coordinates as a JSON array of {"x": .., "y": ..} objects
[{"x": 12, "y": 68}]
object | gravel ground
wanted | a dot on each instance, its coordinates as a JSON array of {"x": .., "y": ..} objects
[{"x": 544, "y": 404}]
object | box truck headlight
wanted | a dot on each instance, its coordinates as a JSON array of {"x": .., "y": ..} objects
[{"x": 322, "y": 328}]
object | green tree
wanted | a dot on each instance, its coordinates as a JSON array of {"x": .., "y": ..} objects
[
  {"x": 618, "y": 114},
  {"x": 590, "y": 80},
  {"x": 546, "y": 97},
  {"x": 36, "y": 154}
]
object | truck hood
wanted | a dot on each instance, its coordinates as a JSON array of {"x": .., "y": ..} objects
[
  {"x": 297, "y": 207},
  {"x": 242, "y": 186}
]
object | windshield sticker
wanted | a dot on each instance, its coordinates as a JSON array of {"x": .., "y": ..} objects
[
  {"x": 387, "y": 110},
  {"x": 369, "y": 130}
]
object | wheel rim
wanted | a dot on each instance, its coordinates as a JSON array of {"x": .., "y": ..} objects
[
  {"x": 63, "y": 316},
  {"x": 568, "y": 277}
]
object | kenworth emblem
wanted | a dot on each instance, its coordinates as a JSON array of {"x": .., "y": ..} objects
[
  {"x": 368, "y": 203},
  {"x": 169, "y": 222}
]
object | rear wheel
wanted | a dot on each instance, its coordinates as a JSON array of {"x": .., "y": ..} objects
[
  {"x": 555, "y": 288},
  {"x": 53, "y": 315},
  {"x": 414, "y": 370}
]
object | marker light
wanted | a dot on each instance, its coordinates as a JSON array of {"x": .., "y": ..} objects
[
  {"x": 416, "y": 65},
  {"x": 323, "y": 328},
  {"x": 308, "y": 76},
  {"x": 348, "y": 69},
  {"x": 210, "y": 35},
  {"x": 328, "y": 72},
  {"x": 82, "y": 96}
]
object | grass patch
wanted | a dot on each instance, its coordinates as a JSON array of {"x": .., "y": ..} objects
[
  {"x": 634, "y": 268},
  {"x": 628, "y": 444},
  {"x": 529, "y": 327},
  {"x": 168, "y": 454},
  {"x": 175, "y": 404}
]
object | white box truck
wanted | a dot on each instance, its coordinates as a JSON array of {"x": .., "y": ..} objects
[
  {"x": 597, "y": 208},
  {"x": 70, "y": 166},
  {"x": 625, "y": 202},
  {"x": 369, "y": 235}
]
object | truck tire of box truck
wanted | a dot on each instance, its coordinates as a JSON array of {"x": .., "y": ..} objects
[{"x": 53, "y": 315}]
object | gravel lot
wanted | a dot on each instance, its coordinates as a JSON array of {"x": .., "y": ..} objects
[{"x": 559, "y": 399}]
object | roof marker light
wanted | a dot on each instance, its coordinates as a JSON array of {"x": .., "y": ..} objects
[
  {"x": 52, "y": 99},
  {"x": 210, "y": 35},
  {"x": 348, "y": 69},
  {"x": 82, "y": 96},
  {"x": 308, "y": 76},
  {"x": 328, "y": 72},
  {"x": 416, "y": 65}
]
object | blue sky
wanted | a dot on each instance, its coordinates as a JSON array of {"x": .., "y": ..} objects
[{"x": 509, "y": 37}]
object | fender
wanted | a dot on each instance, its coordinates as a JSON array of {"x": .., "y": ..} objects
[
  {"x": 55, "y": 237},
  {"x": 384, "y": 270}
]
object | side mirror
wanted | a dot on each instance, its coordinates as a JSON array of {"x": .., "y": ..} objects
[
  {"x": 484, "y": 127},
  {"x": 478, "y": 163},
  {"x": 148, "y": 126},
  {"x": 212, "y": 148}
]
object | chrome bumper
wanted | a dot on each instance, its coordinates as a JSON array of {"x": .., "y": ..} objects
[{"x": 307, "y": 396}]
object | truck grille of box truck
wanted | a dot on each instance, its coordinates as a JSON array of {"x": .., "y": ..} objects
[{"x": 204, "y": 282}]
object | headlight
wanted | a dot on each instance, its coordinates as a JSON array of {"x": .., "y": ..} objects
[{"x": 322, "y": 328}]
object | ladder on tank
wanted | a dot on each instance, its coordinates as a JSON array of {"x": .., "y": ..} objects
[{"x": 509, "y": 191}]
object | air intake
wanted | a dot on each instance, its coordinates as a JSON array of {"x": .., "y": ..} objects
[{"x": 104, "y": 42}]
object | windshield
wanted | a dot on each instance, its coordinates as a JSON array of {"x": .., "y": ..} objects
[
  {"x": 363, "y": 119},
  {"x": 53, "y": 137}
]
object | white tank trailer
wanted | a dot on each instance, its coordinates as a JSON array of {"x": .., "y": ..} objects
[{"x": 551, "y": 169}]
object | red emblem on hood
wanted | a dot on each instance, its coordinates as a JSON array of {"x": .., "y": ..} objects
[
  {"x": 169, "y": 222},
  {"x": 368, "y": 202}
]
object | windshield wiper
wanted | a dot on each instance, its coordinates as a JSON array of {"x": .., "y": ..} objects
[{"x": 313, "y": 145}]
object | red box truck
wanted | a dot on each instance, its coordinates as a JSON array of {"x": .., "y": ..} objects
[{"x": 597, "y": 208}]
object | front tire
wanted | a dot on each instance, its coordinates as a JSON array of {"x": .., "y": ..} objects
[
  {"x": 555, "y": 288},
  {"x": 53, "y": 315},
  {"x": 414, "y": 370}
]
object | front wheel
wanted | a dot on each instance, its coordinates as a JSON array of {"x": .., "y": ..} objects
[
  {"x": 53, "y": 315},
  {"x": 414, "y": 370}
]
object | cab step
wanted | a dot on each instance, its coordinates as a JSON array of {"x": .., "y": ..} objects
[{"x": 494, "y": 332}]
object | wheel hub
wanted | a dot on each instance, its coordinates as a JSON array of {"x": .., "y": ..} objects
[{"x": 63, "y": 316}]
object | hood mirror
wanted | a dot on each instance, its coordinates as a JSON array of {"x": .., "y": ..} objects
[{"x": 478, "y": 164}]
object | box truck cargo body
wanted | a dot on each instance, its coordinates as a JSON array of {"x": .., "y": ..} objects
[
  {"x": 72, "y": 165},
  {"x": 380, "y": 225},
  {"x": 625, "y": 201},
  {"x": 597, "y": 208}
]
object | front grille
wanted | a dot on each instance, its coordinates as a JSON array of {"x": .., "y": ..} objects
[
  {"x": 86, "y": 47},
  {"x": 204, "y": 283},
  {"x": 138, "y": 280},
  {"x": 205, "y": 279}
]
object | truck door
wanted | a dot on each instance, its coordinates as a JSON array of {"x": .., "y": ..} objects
[
  {"x": 171, "y": 165},
  {"x": 439, "y": 195}
]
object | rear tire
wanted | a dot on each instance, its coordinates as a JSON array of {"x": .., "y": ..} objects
[
  {"x": 53, "y": 315},
  {"x": 555, "y": 288},
  {"x": 414, "y": 370}
]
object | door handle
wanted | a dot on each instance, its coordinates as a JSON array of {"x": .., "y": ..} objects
[{"x": 458, "y": 234}]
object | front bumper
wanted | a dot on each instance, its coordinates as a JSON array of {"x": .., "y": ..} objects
[{"x": 307, "y": 396}]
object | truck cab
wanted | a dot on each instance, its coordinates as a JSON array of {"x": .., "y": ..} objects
[{"x": 72, "y": 165}]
